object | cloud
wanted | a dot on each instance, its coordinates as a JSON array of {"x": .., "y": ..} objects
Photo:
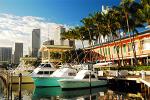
[{"x": 19, "y": 29}]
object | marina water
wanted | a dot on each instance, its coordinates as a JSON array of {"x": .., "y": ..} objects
[{"x": 30, "y": 92}]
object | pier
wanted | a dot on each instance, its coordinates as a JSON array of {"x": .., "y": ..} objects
[{"x": 143, "y": 83}]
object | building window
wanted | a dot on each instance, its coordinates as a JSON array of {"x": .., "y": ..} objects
[
  {"x": 141, "y": 45},
  {"x": 136, "y": 46},
  {"x": 117, "y": 49},
  {"x": 129, "y": 47},
  {"x": 114, "y": 49},
  {"x": 109, "y": 50},
  {"x": 106, "y": 51},
  {"x": 124, "y": 48},
  {"x": 71, "y": 43},
  {"x": 51, "y": 42},
  {"x": 146, "y": 44}
]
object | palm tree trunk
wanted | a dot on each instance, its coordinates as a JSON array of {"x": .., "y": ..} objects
[
  {"x": 131, "y": 40},
  {"x": 119, "y": 64},
  {"x": 83, "y": 46},
  {"x": 122, "y": 54},
  {"x": 100, "y": 42},
  {"x": 91, "y": 45},
  {"x": 121, "y": 50},
  {"x": 115, "y": 46},
  {"x": 134, "y": 51}
]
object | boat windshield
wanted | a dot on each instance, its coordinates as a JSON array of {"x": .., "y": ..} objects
[
  {"x": 45, "y": 65},
  {"x": 45, "y": 72},
  {"x": 42, "y": 65},
  {"x": 87, "y": 76}
]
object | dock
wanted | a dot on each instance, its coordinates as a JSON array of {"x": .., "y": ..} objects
[{"x": 144, "y": 83}]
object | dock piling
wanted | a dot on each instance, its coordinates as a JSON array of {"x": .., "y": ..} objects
[{"x": 20, "y": 82}]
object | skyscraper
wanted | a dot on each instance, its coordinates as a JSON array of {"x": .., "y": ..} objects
[
  {"x": 5, "y": 54},
  {"x": 18, "y": 52},
  {"x": 35, "y": 42},
  {"x": 58, "y": 37}
]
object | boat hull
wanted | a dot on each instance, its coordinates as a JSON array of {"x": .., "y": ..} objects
[
  {"x": 46, "y": 81},
  {"x": 70, "y": 84},
  {"x": 25, "y": 80}
]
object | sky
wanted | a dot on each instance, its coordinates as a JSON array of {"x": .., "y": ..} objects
[{"x": 19, "y": 17}]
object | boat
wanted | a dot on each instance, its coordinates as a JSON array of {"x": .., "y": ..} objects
[
  {"x": 25, "y": 70},
  {"x": 52, "y": 79},
  {"x": 41, "y": 73},
  {"x": 83, "y": 79}
]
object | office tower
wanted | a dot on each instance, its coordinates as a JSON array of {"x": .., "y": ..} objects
[
  {"x": 59, "y": 40},
  {"x": 5, "y": 54},
  {"x": 62, "y": 29},
  {"x": 35, "y": 42},
  {"x": 18, "y": 52},
  {"x": 48, "y": 42}
]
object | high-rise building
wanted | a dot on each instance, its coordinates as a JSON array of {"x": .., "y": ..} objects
[
  {"x": 35, "y": 42},
  {"x": 18, "y": 52},
  {"x": 59, "y": 40},
  {"x": 48, "y": 42},
  {"x": 5, "y": 54}
]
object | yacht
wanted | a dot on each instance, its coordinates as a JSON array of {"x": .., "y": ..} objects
[
  {"x": 83, "y": 79},
  {"x": 51, "y": 79},
  {"x": 25, "y": 70},
  {"x": 43, "y": 70}
]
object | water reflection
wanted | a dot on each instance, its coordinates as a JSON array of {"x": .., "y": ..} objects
[
  {"x": 29, "y": 92},
  {"x": 52, "y": 92},
  {"x": 26, "y": 91}
]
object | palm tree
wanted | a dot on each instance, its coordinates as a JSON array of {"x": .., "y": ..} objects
[
  {"x": 88, "y": 24},
  {"x": 70, "y": 35},
  {"x": 144, "y": 11},
  {"x": 100, "y": 29},
  {"x": 128, "y": 9},
  {"x": 112, "y": 25}
]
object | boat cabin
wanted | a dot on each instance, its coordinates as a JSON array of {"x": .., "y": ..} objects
[
  {"x": 44, "y": 69},
  {"x": 63, "y": 72},
  {"x": 85, "y": 74}
]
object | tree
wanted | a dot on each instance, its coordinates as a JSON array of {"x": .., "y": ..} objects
[
  {"x": 144, "y": 12},
  {"x": 129, "y": 9}
]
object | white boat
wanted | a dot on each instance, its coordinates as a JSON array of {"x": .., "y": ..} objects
[
  {"x": 52, "y": 79},
  {"x": 43, "y": 70},
  {"x": 83, "y": 79},
  {"x": 25, "y": 70}
]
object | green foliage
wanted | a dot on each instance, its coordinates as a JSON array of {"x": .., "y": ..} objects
[
  {"x": 128, "y": 16},
  {"x": 139, "y": 68},
  {"x": 36, "y": 63},
  {"x": 55, "y": 55},
  {"x": 73, "y": 56},
  {"x": 132, "y": 68}
]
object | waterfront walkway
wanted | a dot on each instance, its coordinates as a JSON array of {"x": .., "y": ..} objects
[
  {"x": 137, "y": 78},
  {"x": 143, "y": 82},
  {"x": 146, "y": 81}
]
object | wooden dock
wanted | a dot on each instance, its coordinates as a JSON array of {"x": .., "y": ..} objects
[
  {"x": 144, "y": 83},
  {"x": 136, "y": 78}
]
